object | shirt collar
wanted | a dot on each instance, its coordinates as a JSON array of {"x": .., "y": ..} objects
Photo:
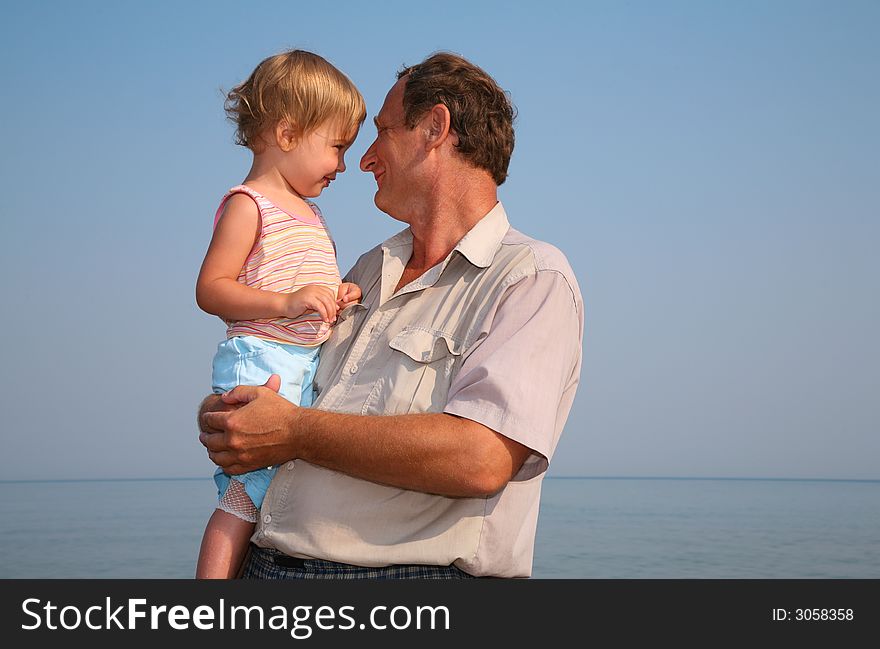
[
  {"x": 478, "y": 246},
  {"x": 482, "y": 241}
]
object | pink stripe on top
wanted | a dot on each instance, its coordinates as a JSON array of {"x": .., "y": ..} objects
[{"x": 292, "y": 251}]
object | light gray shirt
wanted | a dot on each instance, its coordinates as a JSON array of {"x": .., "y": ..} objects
[{"x": 493, "y": 333}]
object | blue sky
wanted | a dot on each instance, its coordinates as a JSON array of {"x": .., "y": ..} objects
[{"x": 710, "y": 169}]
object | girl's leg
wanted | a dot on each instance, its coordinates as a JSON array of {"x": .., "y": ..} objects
[{"x": 224, "y": 546}]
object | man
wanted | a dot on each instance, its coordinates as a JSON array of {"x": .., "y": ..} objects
[{"x": 442, "y": 396}]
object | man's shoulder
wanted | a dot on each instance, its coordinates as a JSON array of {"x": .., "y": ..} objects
[
  {"x": 536, "y": 256},
  {"x": 544, "y": 255},
  {"x": 368, "y": 263}
]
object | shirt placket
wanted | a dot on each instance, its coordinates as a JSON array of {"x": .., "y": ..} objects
[
  {"x": 347, "y": 390},
  {"x": 364, "y": 346}
]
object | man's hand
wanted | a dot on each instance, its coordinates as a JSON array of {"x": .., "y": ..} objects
[{"x": 248, "y": 428}]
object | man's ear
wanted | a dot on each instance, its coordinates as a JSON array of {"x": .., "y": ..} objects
[
  {"x": 285, "y": 136},
  {"x": 438, "y": 125}
]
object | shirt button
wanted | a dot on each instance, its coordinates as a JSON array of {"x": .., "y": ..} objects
[
  {"x": 267, "y": 518},
  {"x": 290, "y": 466},
  {"x": 353, "y": 369}
]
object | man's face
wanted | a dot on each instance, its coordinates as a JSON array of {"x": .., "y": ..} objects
[{"x": 393, "y": 157}]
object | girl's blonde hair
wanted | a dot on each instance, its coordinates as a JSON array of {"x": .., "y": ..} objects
[{"x": 297, "y": 86}]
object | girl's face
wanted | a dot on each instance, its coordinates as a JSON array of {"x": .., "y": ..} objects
[{"x": 313, "y": 162}]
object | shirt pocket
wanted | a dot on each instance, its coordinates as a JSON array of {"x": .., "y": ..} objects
[
  {"x": 347, "y": 318},
  {"x": 341, "y": 338},
  {"x": 420, "y": 374},
  {"x": 345, "y": 325}
]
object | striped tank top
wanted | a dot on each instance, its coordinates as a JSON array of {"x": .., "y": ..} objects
[{"x": 292, "y": 251}]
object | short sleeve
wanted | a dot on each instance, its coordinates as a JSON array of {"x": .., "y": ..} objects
[{"x": 520, "y": 378}]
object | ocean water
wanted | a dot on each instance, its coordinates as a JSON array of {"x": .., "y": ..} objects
[
  {"x": 708, "y": 529},
  {"x": 588, "y": 528}
]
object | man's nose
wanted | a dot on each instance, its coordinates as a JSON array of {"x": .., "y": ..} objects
[{"x": 369, "y": 158}]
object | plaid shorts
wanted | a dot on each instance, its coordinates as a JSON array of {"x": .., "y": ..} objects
[{"x": 266, "y": 563}]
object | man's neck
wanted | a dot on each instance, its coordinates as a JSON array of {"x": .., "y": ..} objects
[{"x": 444, "y": 221}]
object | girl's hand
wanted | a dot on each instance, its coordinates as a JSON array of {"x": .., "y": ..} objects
[
  {"x": 347, "y": 295},
  {"x": 313, "y": 297}
]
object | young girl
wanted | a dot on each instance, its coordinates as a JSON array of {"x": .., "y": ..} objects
[{"x": 270, "y": 271}]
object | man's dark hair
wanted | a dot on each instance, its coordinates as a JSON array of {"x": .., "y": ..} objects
[{"x": 481, "y": 112}]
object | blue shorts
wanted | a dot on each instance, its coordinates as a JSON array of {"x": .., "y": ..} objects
[{"x": 247, "y": 360}]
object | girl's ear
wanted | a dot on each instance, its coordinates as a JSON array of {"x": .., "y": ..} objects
[{"x": 285, "y": 136}]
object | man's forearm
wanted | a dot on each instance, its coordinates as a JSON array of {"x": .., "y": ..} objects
[{"x": 434, "y": 453}]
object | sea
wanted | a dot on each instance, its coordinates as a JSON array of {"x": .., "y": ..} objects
[{"x": 589, "y": 528}]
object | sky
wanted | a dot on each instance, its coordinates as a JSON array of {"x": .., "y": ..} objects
[{"x": 710, "y": 169}]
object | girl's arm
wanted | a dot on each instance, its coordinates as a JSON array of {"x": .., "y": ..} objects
[{"x": 218, "y": 290}]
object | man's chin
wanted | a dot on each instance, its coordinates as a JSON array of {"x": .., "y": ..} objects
[
  {"x": 381, "y": 204},
  {"x": 388, "y": 209}
]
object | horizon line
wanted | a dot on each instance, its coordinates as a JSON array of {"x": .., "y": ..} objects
[{"x": 559, "y": 477}]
